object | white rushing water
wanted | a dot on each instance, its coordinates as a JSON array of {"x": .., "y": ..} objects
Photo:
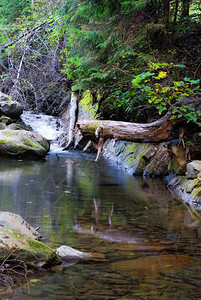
[{"x": 48, "y": 126}]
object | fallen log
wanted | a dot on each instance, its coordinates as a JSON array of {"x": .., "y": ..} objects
[{"x": 158, "y": 131}]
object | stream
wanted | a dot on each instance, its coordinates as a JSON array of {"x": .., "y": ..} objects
[{"x": 147, "y": 243}]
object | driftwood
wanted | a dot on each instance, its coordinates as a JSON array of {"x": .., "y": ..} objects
[{"x": 157, "y": 131}]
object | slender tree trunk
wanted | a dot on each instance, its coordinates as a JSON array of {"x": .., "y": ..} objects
[
  {"x": 166, "y": 12},
  {"x": 185, "y": 8},
  {"x": 32, "y": 5},
  {"x": 73, "y": 119},
  {"x": 174, "y": 20},
  {"x": 166, "y": 15}
]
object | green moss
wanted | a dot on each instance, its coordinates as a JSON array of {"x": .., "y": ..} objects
[
  {"x": 86, "y": 103},
  {"x": 196, "y": 184},
  {"x": 2, "y": 141},
  {"x": 27, "y": 248},
  {"x": 30, "y": 143},
  {"x": 131, "y": 159},
  {"x": 10, "y": 132},
  {"x": 197, "y": 193}
]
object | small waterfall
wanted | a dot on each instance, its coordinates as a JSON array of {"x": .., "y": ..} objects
[{"x": 48, "y": 126}]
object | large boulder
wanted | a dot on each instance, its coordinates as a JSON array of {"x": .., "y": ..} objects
[
  {"x": 10, "y": 108},
  {"x": 22, "y": 142},
  {"x": 24, "y": 248},
  {"x": 16, "y": 222}
]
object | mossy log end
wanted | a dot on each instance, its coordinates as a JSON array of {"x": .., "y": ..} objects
[{"x": 158, "y": 131}]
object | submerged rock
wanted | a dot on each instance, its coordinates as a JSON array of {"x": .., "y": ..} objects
[
  {"x": 22, "y": 247},
  {"x": 22, "y": 142},
  {"x": 68, "y": 253},
  {"x": 16, "y": 222}
]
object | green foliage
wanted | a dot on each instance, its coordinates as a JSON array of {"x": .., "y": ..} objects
[
  {"x": 113, "y": 48},
  {"x": 11, "y": 10},
  {"x": 159, "y": 88}
]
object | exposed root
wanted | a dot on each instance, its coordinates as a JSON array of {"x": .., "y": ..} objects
[{"x": 12, "y": 273}]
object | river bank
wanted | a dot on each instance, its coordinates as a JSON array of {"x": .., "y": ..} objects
[
  {"x": 153, "y": 160},
  {"x": 168, "y": 160}
]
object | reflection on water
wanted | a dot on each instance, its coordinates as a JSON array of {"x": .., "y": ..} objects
[{"x": 150, "y": 242}]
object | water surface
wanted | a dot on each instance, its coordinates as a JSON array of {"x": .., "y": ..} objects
[{"x": 147, "y": 242}]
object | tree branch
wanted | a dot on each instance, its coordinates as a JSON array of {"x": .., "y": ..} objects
[{"x": 30, "y": 31}]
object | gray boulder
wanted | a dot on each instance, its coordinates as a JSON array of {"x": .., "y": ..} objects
[
  {"x": 16, "y": 222},
  {"x": 193, "y": 169},
  {"x": 68, "y": 253},
  {"x": 9, "y": 107},
  {"x": 23, "y": 142}
]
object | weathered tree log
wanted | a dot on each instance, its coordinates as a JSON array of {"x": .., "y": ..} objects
[{"x": 158, "y": 131}]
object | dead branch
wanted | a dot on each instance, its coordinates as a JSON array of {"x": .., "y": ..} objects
[{"x": 29, "y": 32}]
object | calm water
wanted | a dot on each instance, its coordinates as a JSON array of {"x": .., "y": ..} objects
[{"x": 147, "y": 244}]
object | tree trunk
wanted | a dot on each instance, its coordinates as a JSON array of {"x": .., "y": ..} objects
[
  {"x": 185, "y": 8},
  {"x": 73, "y": 119},
  {"x": 32, "y": 5},
  {"x": 174, "y": 20},
  {"x": 166, "y": 12},
  {"x": 157, "y": 131}
]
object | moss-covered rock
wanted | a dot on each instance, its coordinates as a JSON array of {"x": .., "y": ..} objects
[
  {"x": 33, "y": 253},
  {"x": 189, "y": 190},
  {"x": 138, "y": 158},
  {"x": 86, "y": 108},
  {"x": 22, "y": 142},
  {"x": 128, "y": 155}
]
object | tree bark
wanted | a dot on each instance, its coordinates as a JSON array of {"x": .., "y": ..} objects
[
  {"x": 166, "y": 12},
  {"x": 32, "y": 5},
  {"x": 174, "y": 20},
  {"x": 157, "y": 131},
  {"x": 185, "y": 8},
  {"x": 73, "y": 119}
]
